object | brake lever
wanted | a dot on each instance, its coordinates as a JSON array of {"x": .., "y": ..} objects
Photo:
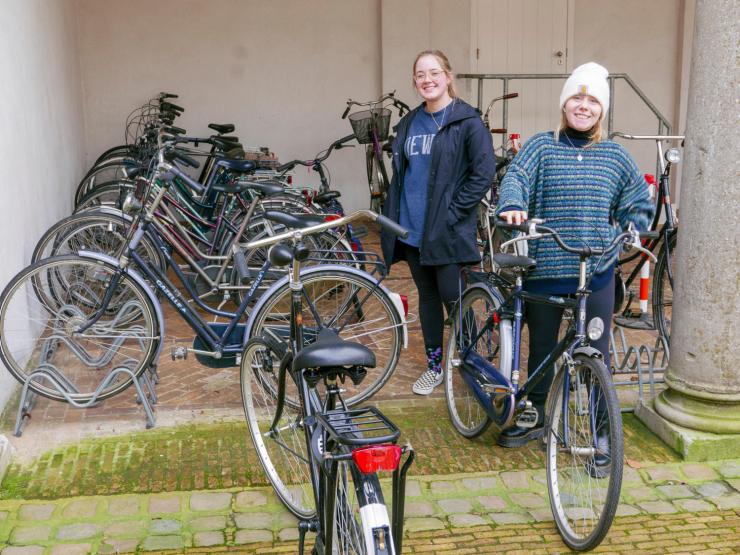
[{"x": 635, "y": 243}]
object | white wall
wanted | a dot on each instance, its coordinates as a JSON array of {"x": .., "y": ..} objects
[
  {"x": 281, "y": 71},
  {"x": 41, "y": 118}
]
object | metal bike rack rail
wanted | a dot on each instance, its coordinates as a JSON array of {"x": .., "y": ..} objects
[{"x": 664, "y": 126}]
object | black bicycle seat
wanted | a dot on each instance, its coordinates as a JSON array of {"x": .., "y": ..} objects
[
  {"x": 330, "y": 351},
  {"x": 327, "y": 196},
  {"x": 223, "y": 144},
  {"x": 294, "y": 221},
  {"x": 265, "y": 188},
  {"x": 222, "y": 127},
  {"x": 504, "y": 260},
  {"x": 237, "y": 165}
]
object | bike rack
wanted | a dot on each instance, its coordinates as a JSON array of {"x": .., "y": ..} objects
[
  {"x": 48, "y": 372},
  {"x": 638, "y": 359}
]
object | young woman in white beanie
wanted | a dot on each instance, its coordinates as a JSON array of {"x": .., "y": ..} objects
[{"x": 587, "y": 188}]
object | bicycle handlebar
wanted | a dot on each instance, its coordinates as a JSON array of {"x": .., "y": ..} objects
[
  {"x": 385, "y": 223},
  {"x": 401, "y": 105},
  {"x": 339, "y": 143},
  {"x": 534, "y": 229},
  {"x": 647, "y": 137}
]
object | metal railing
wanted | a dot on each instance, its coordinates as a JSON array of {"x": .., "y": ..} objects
[{"x": 664, "y": 127}]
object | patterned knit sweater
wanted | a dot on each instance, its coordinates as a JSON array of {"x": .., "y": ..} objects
[{"x": 585, "y": 200}]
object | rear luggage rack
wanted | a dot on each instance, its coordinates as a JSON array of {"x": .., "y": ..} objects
[{"x": 362, "y": 426}]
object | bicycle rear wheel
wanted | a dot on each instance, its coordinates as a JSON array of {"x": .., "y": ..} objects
[
  {"x": 281, "y": 451},
  {"x": 350, "y": 302},
  {"x": 662, "y": 296},
  {"x": 41, "y": 311},
  {"x": 584, "y": 452},
  {"x": 466, "y": 413},
  {"x": 351, "y": 525}
]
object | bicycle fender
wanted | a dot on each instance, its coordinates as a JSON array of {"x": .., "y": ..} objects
[
  {"x": 136, "y": 276},
  {"x": 307, "y": 272},
  {"x": 589, "y": 352},
  {"x": 110, "y": 211}
]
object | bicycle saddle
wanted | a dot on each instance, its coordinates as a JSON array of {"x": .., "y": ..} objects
[
  {"x": 330, "y": 350},
  {"x": 265, "y": 188},
  {"x": 504, "y": 260},
  {"x": 226, "y": 143},
  {"x": 327, "y": 196},
  {"x": 294, "y": 221},
  {"x": 236, "y": 165},
  {"x": 222, "y": 127}
]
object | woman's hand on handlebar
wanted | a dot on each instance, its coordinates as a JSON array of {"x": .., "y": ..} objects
[{"x": 514, "y": 216}]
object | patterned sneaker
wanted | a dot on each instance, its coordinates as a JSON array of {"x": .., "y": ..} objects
[{"x": 427, "y": 382}]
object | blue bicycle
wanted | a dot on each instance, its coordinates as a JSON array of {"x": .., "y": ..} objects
[{"x": 583, "y": 426}]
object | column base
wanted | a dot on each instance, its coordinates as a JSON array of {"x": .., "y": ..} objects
[{"x": 692, "y": 445}]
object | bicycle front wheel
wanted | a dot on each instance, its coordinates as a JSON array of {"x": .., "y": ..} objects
[
  {"x": 466, "y": 413},
  {"x": 42, "y": 311},
  {"x": 377, "y": 179},
  {"x": 348, "y": 301},
  {"x": 584, "y": 452},
  {"x": 282, "y": 448},
  {"x": 662, "y": 296}
]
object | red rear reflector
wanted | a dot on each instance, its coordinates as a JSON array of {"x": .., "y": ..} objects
[
  {"x": 377, "y": 457},
  {"x": 290, "y": 180},
  {"x": 331, "y": 217},
  {"x": 405, "y": 302},
  {"x": 496, "y": 318}
]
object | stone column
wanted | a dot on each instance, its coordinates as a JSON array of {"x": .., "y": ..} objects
[{"x": 703, "y": 376}]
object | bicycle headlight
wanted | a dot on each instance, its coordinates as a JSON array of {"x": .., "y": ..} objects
[
  {"x": 595, "y": 328},
  {"x": 673, "y": 155},
  {"x": 131, "y": 204}
]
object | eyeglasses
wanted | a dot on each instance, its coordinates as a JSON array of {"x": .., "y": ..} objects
[{"x": 433, "y": 74}]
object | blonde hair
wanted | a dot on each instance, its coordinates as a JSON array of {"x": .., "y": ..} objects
[
  {"x": 444, "y": 62},
  {"x": 596, "y": 134}
]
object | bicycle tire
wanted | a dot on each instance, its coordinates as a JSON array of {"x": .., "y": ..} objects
[
  {"x": 96, "y": 231},
  {"x": 105, "y": 172},
  {"x": 466, "y": 413},
  {"x": 377, "y": 179},
  {"x": 352, "y": 527},
  {"x": 344, "y": 298},
  {"x": 111, "y": 194},
  {"x": 283, "y": 453},
  {"x": 662, "y": 296},
  {"x": 44, "y": 305},
  {"x": 575, "y": 483}
]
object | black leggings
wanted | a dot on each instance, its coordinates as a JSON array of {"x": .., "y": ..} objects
[
  {"x": 543, "y": 322},
  {"x": 437, "y": 286}
]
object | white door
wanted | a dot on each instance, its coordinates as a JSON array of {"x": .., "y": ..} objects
[{"x": 521, "y": 36}]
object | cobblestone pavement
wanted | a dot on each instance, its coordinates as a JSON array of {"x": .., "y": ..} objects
[
  {"x": 694, "y": 508},
  {"x": 217, "y": 456}
]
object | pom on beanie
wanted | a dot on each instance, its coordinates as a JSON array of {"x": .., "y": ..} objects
[{"x": 588, "y": 79}]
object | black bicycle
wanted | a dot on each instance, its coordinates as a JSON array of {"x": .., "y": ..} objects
[{"x": 321, "y": 457}]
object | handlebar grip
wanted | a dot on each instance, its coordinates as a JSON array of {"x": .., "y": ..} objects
[
  {"x": 164, "y": 95},
  {"x": 498, "y": 130},
  {"x": 241, "y": 266},
  {"x": 185, "y": 159},
  {"x": 172, "y": 107},
  {"x": 524, "y": 226},
  {"x": 173, "y": 130},
  {"x": 392, "y": 227},
  {"x": 510, "y": 96},
  {"x": 287, "y": 166},
  {"x": 344, "y": 115}
]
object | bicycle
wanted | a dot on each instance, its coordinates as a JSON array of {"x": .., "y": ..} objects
[
  {"x": 321, "y": 457},
  {"x": 69, "y": 321},
  {"x": 583, "y": 427},
  {"x": 664, "y": 234},
  {"x": 371, "y": 128}
]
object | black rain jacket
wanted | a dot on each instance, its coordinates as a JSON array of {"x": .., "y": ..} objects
[{"x": 461, "y": 172}]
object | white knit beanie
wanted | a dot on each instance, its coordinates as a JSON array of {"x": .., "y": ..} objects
[{"x": 588, "y": 79}]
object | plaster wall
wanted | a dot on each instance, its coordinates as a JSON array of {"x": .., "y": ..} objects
[
  {"x": 41, "y": 117},
  {"x": 281, "y": 71}
]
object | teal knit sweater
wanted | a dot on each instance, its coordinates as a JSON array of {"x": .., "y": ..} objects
[{"x": 587, "y": 201}]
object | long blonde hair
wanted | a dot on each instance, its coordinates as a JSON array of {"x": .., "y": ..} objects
[
  {"x": 595, "y": 136},
  {"x": 444, "y": 62}
]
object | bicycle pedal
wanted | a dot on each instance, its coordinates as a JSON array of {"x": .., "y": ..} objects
[
  {"x": 179, "y": 353},
  {"x": 528, "y": 418}
]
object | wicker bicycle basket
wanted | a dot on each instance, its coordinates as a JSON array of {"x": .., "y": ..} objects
[{"x": 362, "y": 124}]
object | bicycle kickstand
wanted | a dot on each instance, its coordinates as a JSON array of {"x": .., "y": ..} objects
[{"x": 304, "y": 526}]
